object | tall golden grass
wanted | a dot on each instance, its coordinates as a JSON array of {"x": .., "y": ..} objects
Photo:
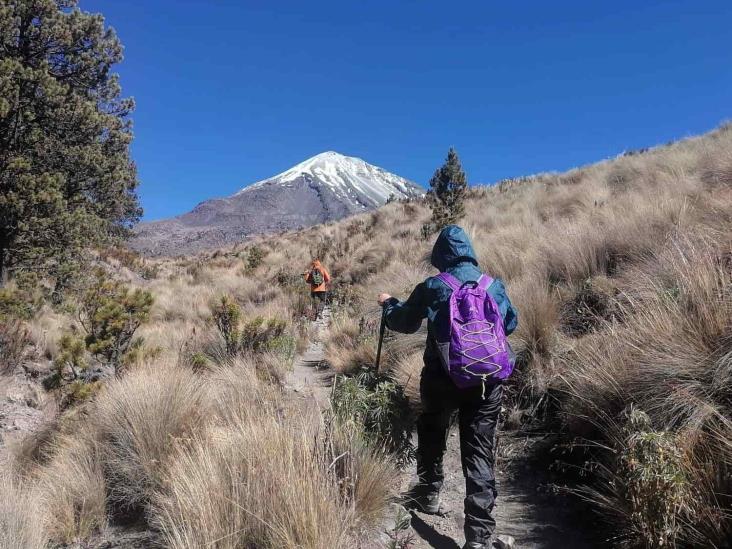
[
  {"x": 21, "y": 525},
  {"x": 621, "y": 274},
  {"x": 221, "y": 458}
]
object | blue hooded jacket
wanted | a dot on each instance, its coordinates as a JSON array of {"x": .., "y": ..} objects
[{"x": 452, "y": 253}]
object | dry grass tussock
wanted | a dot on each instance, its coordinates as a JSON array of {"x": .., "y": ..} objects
[
  {"x": 139, "y": 420},
  {"x": 272, "y": 484},
  {"x": 71, "y": 488},
  {"x": 268, "y": 474},
  {"x": 21, "y": 525},
  {"x": 217, "y": 458}
]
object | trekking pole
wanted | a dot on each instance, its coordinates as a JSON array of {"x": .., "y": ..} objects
[{"x": 382, "y": 329}]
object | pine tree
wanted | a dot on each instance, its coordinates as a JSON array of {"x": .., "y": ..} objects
[
  {"x": 446, "y": 195},
  {"x": 66, "y": 177}
]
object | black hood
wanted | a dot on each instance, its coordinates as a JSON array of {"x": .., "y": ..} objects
[{"x": 452, "y": 247}]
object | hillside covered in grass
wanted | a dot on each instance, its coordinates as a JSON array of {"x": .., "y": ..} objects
[{"x": 185, "y": 430}]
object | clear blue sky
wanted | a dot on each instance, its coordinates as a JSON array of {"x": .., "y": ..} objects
[{"x": 232, "y": 91}]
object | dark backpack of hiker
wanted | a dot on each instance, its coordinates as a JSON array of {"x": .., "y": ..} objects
[{"x": 316, "y": 277}]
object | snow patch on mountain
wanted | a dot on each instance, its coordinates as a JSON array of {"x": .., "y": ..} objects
[{"x": 351, "y": 179}]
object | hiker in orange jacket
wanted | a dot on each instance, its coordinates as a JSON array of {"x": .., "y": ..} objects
[{"x": 319, "y": 278}]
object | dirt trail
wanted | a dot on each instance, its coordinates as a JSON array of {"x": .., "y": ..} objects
[
  {"x": 524, "y": 509},
  {"x": 309, "y": 378}
]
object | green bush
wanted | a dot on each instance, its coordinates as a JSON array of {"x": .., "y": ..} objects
[
  {"x": 652, "y": 470},
  {"x": 78, "y": 392},
  {"x": 226, "y": 315},
  {"x": 378, "y": 406},
  {"x": 69, "y": 372},
  {"x": 21, "y": 300},
  {"x": 255, "y": 258},
  {"x": 71, "y": 357},
  {"x": 258, "y": 335},
  {"x": 284, "y": 346},
  {"x": 446, "y": 195},
  {"x": 111, "y": 313},
  {"x": 285, "y": 278},
  {"x": 139, "y": 352}
]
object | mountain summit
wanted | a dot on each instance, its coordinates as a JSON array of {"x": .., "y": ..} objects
[
  {"x": 326, "y": 187},
  {"x": 353, "y": 179}
]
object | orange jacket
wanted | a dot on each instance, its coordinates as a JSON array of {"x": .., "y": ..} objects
[{"x": 326, "y": 277}]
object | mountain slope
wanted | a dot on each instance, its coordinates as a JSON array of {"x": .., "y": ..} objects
[{"x": 326, "y": 187}]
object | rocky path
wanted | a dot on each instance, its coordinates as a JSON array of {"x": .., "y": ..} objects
[
  {"x": 309, "y": 377},
  {"x": 526, "y": 511}
]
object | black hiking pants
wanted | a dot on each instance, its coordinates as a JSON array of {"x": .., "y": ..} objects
[
  {"x": 319, "y": 300},
  {"x": 477, "y": 419}
]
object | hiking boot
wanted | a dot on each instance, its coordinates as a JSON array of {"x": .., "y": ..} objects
[
  {"x": 497, "y": 542},
  {"x": 504, "y": 542},
  {"x": 416, "y": 500}
]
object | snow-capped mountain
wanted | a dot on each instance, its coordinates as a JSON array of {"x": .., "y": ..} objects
[
  {"x": 350, "y": 178},
  {"x": 324, "y": 188}
]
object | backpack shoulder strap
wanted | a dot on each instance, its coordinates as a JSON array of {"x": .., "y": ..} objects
[
  {"x": 485, "y": 281},
  {"x": 449, "y": 280}
]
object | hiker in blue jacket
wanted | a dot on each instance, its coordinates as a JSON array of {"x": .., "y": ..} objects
[{"x": 478, "y": 407}]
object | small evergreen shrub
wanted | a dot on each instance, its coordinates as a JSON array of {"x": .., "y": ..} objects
[
  {"x": 379, "y": 407},
  {"x": 257, "y": 335},
  {"x": 70, "y": 372},
  {"x": 446, "y": 196},
  {"x": 70, "y": 362},
  {"x": 226, "y": 315},
  {"x": 198, "y": 361},
  {"x": 285, "y": 278},
  {"x": 78, "y": 392},
  {"x": 652, "y": 469},
  {"x": 344, "y": 295},
  {"x": 21, "y": 301},
  {"x": 138, "y": 352},
  {"x": 255, "y": 258},
  {"x": 260, "y": 335},
  {"x": 111, "y": 313}
]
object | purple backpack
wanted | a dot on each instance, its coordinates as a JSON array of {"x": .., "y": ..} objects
[{"x": 473, "y": 346}]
